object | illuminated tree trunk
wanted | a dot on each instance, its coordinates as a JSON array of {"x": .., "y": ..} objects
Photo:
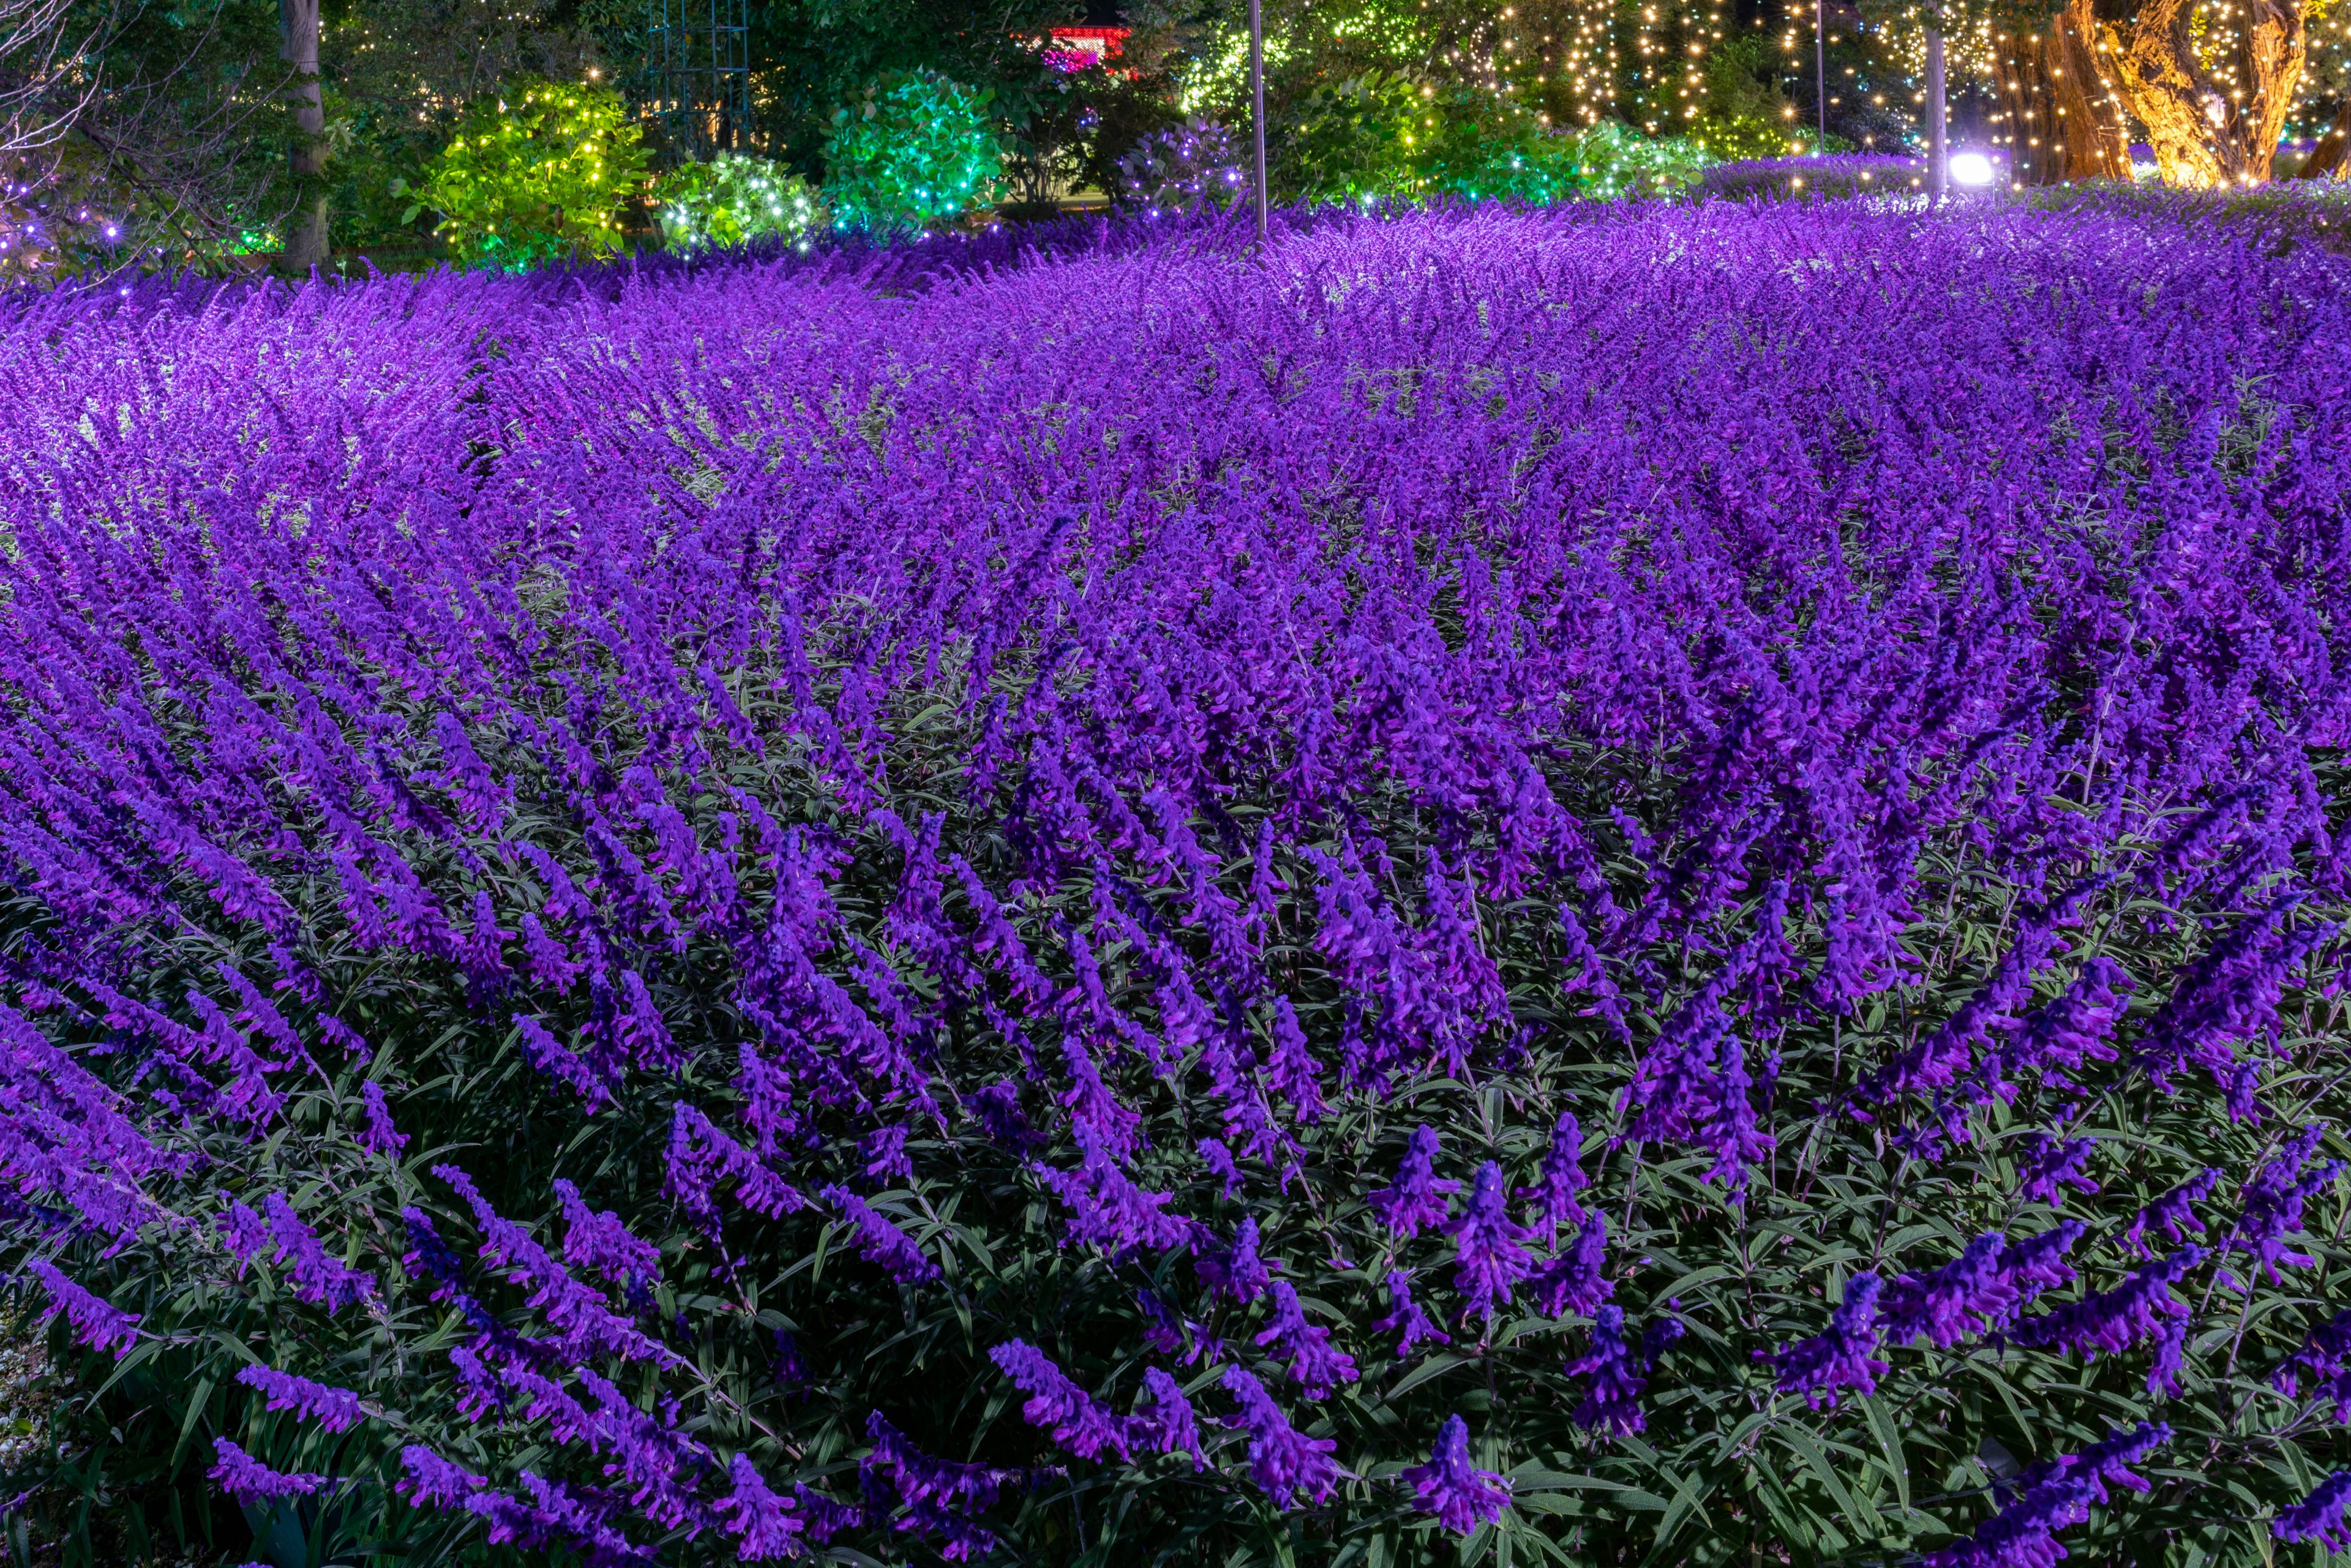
[
  {"x": 2327, "y": 159},
  {"x": 2206, "y": 130},
  {"x": 2066, "y": 119},
  {"x": 306, "y": 246}
]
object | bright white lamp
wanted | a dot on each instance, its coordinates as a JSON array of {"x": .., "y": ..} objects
[{"x": 1971, "y": 169}]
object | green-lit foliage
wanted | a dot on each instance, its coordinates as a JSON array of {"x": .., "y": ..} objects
[
  {"x": 1613, "y": 159},
  {"x": 733, "y": 200},
  {"x": 539, "y": 171},
  {"x": 1390, "y": 136},
  {"x": 914, "y": 149}
]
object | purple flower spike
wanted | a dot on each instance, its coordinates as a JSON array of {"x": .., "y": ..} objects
[
  {"x": 1818, "y": 1368},
  {"x": 2325, "y": 1359},
  {"x": 1949, "y": 1303},
  {"x": 1613, "y": 1403},
  {"x": 1406, "y": 1318},
  {"x": 95, "y": 1323},
  {"x": 2049, "y": 1165},
  {"x": 1077, "y": 1420},
  {"x": 879, "y": 1242},
  {"x": 1462, "y": 1495},
  {"x": 1573, "y": 1283},
  {"x": 2116, "y": 1320},
  {"x": 433, "y": 1482},
  {"x": 1282, "y": 1460},
  {"x": 2023, "y": 1534},
  {"x": 2174, "y": 1213},
  {"x": 379, "y": 1137},
  {"x": 1314, "y": 1365},
  {"x": 250, "y": 1482},
  {"x": 1489, "y": 1259},
  {"x": 1559, "y": 1180},
  {"x": 1167, "y": 1426},
  {"x": 1239, "y": 1273},
  {"x": 2319, "y": 1517},
  {"x": 1417, "y": 1199},
  {"x": 759, "y": 1517},
  {"x": 336, "y": 1409}
]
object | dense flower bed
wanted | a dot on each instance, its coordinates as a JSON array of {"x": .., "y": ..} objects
[{"x": 1659, "y": 882}]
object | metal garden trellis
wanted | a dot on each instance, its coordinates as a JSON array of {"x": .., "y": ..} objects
[{"x": 697, "y": 79}]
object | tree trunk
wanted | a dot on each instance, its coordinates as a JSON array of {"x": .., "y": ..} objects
[
  {"x": 2064, "y": 117},
  {"x": 2327, "y": 159},
  {"x": 2203, "y": 134},
  {"x": 1938, "y": 151},
  {"x": 306, "y": 248}
]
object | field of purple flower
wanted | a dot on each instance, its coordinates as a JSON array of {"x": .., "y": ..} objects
[{"x": 1590, "y": 886}]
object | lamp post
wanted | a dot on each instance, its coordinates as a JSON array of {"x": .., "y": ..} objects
[
  {"x": 1821, "y": 71},
  {"x": 1257, "y": 101},
  {"x": 1939, "y": 160}
]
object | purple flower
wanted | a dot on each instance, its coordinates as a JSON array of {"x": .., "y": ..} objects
[
  {"x": 336, "y": 1409},
  {"x": 317, "y": 1277},
  {"x": 2023, "y": 1533},
  {"x": 1406, "y": 1318},
  {"x": 921, "y": 1477},
  {"x": 1314, "y": 1365},
  {"x": 2108, "y": 1461},
  {"x": 2174, "y": 1213},
  {"x": 1462, "y": 1495},
  {"x": 1282, "y": 1460},
  {"x": 2325, "y": 1359},
  {"x": 1077, "y": 1420},
  {"x": 95, "y": 1323},
  {"x": 1106, "y": 1210},
  {"x": 761, "y": 1519},
  {"x": 2273, "y": 1202},
  {"x": 600, "y": 1240},
  {"x": 1291, "y": 1069},
  {"x": 433, "y": 1482},
  {"x": 1611, "y": 1405},
  {"x": 1221, "y": 1164},
  {"x": 879, "y": 1241},
  {"x": 1840, "y": 1359},
  {"x": 1417, "y": 1198},
  {"x": 380, "y": 1136},
  {"x": 1489, "y": 1258},
  {"x": 1573, "y": 1283},
  {"x": 1167, "y": 1426},
  {"x": 1948, "y": 1304},
  {"x": 884, "y": 1150},
  {"x": 250, "y": 1482},
  {"x": 2319, "y": 1516},
  {"x": 1559, "y": 1178},
  {"x": 2038, "y": 1262},
  {"x": 1239, "y": 1273},
  {"x": 2117, "y": 1319},
  {"x": 2050, "y": 1164}
]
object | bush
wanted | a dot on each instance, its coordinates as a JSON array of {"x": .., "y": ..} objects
[
  {"x": 1197, "y": 165},
  {"x": 914, "y": 149},
  {"x": 732, "y": 200},
  {"x": 538, "y": 173},
  {"x": 1613, "y": 160}
]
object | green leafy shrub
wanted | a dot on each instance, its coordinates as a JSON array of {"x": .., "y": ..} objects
[
  {"x": 1388, "y": 135},
  {"x": 1611, "y": 159},
  {"x": 914, "y": 149},
  {"x": 538, "y": 173},
  {"x": 733, "y": 200}
]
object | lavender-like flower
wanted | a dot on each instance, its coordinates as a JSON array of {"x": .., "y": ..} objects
[
  {"x": 2023, "y": 1533},
  {"x": 2325, "y": 1359},
  {"x": 1611, "y": 1405},
  {"x": 432, "y": 1482},
  {"x": 1282, "y": 1460},
  {"x": 2174, "y": 1213},
  {"x": 1239, "y": 1273},
  {"x": 1078, "y": 1421},
  {"x": 379, "y": 1137},
  {"x": 1167, "y": 1425},
  {"x": 1948, "y": 1304},
  {"x": 2272, "y": 1203},
  {"x": 250, "y": 1482},
  {"x": 879, "y": 1242},
  {"x": 1573, "y": 1283},
  {"x": 1559, "y": 1178},
  {"x": 1488, "y": 1256},
  {"x": 1462, "y": 1495},
  {"x": 2320, "y": 1516},
  {"x": 1314, "y": 1365},
  {"x": 2049, "y": 1165},
  {"x": 759, "y": 1517},
  {"x": 2116, "y": 1320},
  {"x": 1406, "y": 1317},
  {"x": 1417, "y": 1198},
  {"x": 97, "y": 1323},
  {"x": 336, "y": 1409},
  {"x": 1820, "y": 1368}
]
